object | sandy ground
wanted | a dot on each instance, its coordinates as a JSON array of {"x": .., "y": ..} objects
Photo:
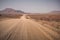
[{"x": 26, "y": 29}]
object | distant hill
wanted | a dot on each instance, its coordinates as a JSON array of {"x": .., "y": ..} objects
[
  {"x": 55, "y": 12},
  {"x": 11, "y": 11}
]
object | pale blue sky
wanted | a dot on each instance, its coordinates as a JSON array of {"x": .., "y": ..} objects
[{"x": 33, "y": 6}]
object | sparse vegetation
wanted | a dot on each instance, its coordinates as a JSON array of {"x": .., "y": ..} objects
[
  {"x": 51, "y": 20},
  {"x": 11, "y": 16},
  {"x": 45, "y": 17}
]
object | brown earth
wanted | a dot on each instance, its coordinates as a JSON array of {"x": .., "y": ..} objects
[{"x": 28, "y": 29}]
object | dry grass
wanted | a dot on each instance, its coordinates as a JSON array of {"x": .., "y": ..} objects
[
  {"x": 51, "y": 20},
  {"x": 10, "y": 15},
  {"x": 45, "y": 17}
]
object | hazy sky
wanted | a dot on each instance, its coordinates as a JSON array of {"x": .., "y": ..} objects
[{"x": 31, "y": 5}]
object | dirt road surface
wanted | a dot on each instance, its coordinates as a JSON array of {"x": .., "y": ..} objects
[{"x": 26, "y": 29}]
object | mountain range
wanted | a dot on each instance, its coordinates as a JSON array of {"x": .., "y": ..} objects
[{"x": 13, "y": 11}]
